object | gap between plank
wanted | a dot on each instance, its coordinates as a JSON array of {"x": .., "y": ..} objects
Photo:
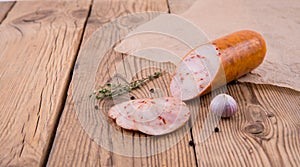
[
  {"x": 5, "y": 16},
  {"x": 168, "y": 5},
  {"x": 194, "y": 147},
  {"x": 191, "y": 128},
  {"x": 45, "y": 158}
]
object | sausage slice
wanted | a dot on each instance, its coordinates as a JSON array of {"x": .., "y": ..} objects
[{"x": 151, "y": 116}]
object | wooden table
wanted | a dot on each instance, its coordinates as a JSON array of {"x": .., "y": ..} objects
[{"x": 40, "y": 42}]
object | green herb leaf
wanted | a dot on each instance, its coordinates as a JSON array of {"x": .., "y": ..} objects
[{"x": 110, "y": 90}]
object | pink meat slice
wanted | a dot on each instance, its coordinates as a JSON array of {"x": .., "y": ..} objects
[
  {"x": 151, "y": 116},
  {"x": 194, "y": 73}
]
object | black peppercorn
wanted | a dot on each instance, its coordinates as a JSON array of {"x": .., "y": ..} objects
[
  {"x": 132, "y": 97},
  {"x": 151, "y": 90},
  {"x": 191, "y": 143},
  {"x": 216, "y": 129}
]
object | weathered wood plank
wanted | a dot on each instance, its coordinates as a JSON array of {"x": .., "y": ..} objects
[
  {"x": 39, "y": 43},
  {"x": 73, "y": 145},
  {"x": 265, "y": 132},
  {"x": 5, "y": 7}
]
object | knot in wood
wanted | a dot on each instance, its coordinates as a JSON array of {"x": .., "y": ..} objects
[
  {"x": 255, "y": 128},
  {"x": 80, "y": 13},
  {"x": 34, "y": 17}
]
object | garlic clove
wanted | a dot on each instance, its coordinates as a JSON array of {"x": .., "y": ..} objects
[{"x": 223, "y": 105}]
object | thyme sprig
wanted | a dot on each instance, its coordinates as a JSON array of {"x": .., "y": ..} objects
[{"x": 111, "y": 90}]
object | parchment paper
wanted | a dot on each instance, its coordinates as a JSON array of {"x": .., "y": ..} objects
[{"x": 278, "y": 21}]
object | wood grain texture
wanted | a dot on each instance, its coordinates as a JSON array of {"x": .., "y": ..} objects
[
  {"x": 73, "y": 145},
  {"x": 104, "y": 11},
  {"x": 265, "y": 131},
  {"x": 5, "y": 7},
  {"x": 39, "y": 42}
]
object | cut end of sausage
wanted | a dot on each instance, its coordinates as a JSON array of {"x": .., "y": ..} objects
[
  {"x": 195, "y": 72},
  {"x": 151, "y": 116}
]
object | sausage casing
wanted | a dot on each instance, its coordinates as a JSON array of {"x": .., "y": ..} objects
[{"x": 219, "y": 62}]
